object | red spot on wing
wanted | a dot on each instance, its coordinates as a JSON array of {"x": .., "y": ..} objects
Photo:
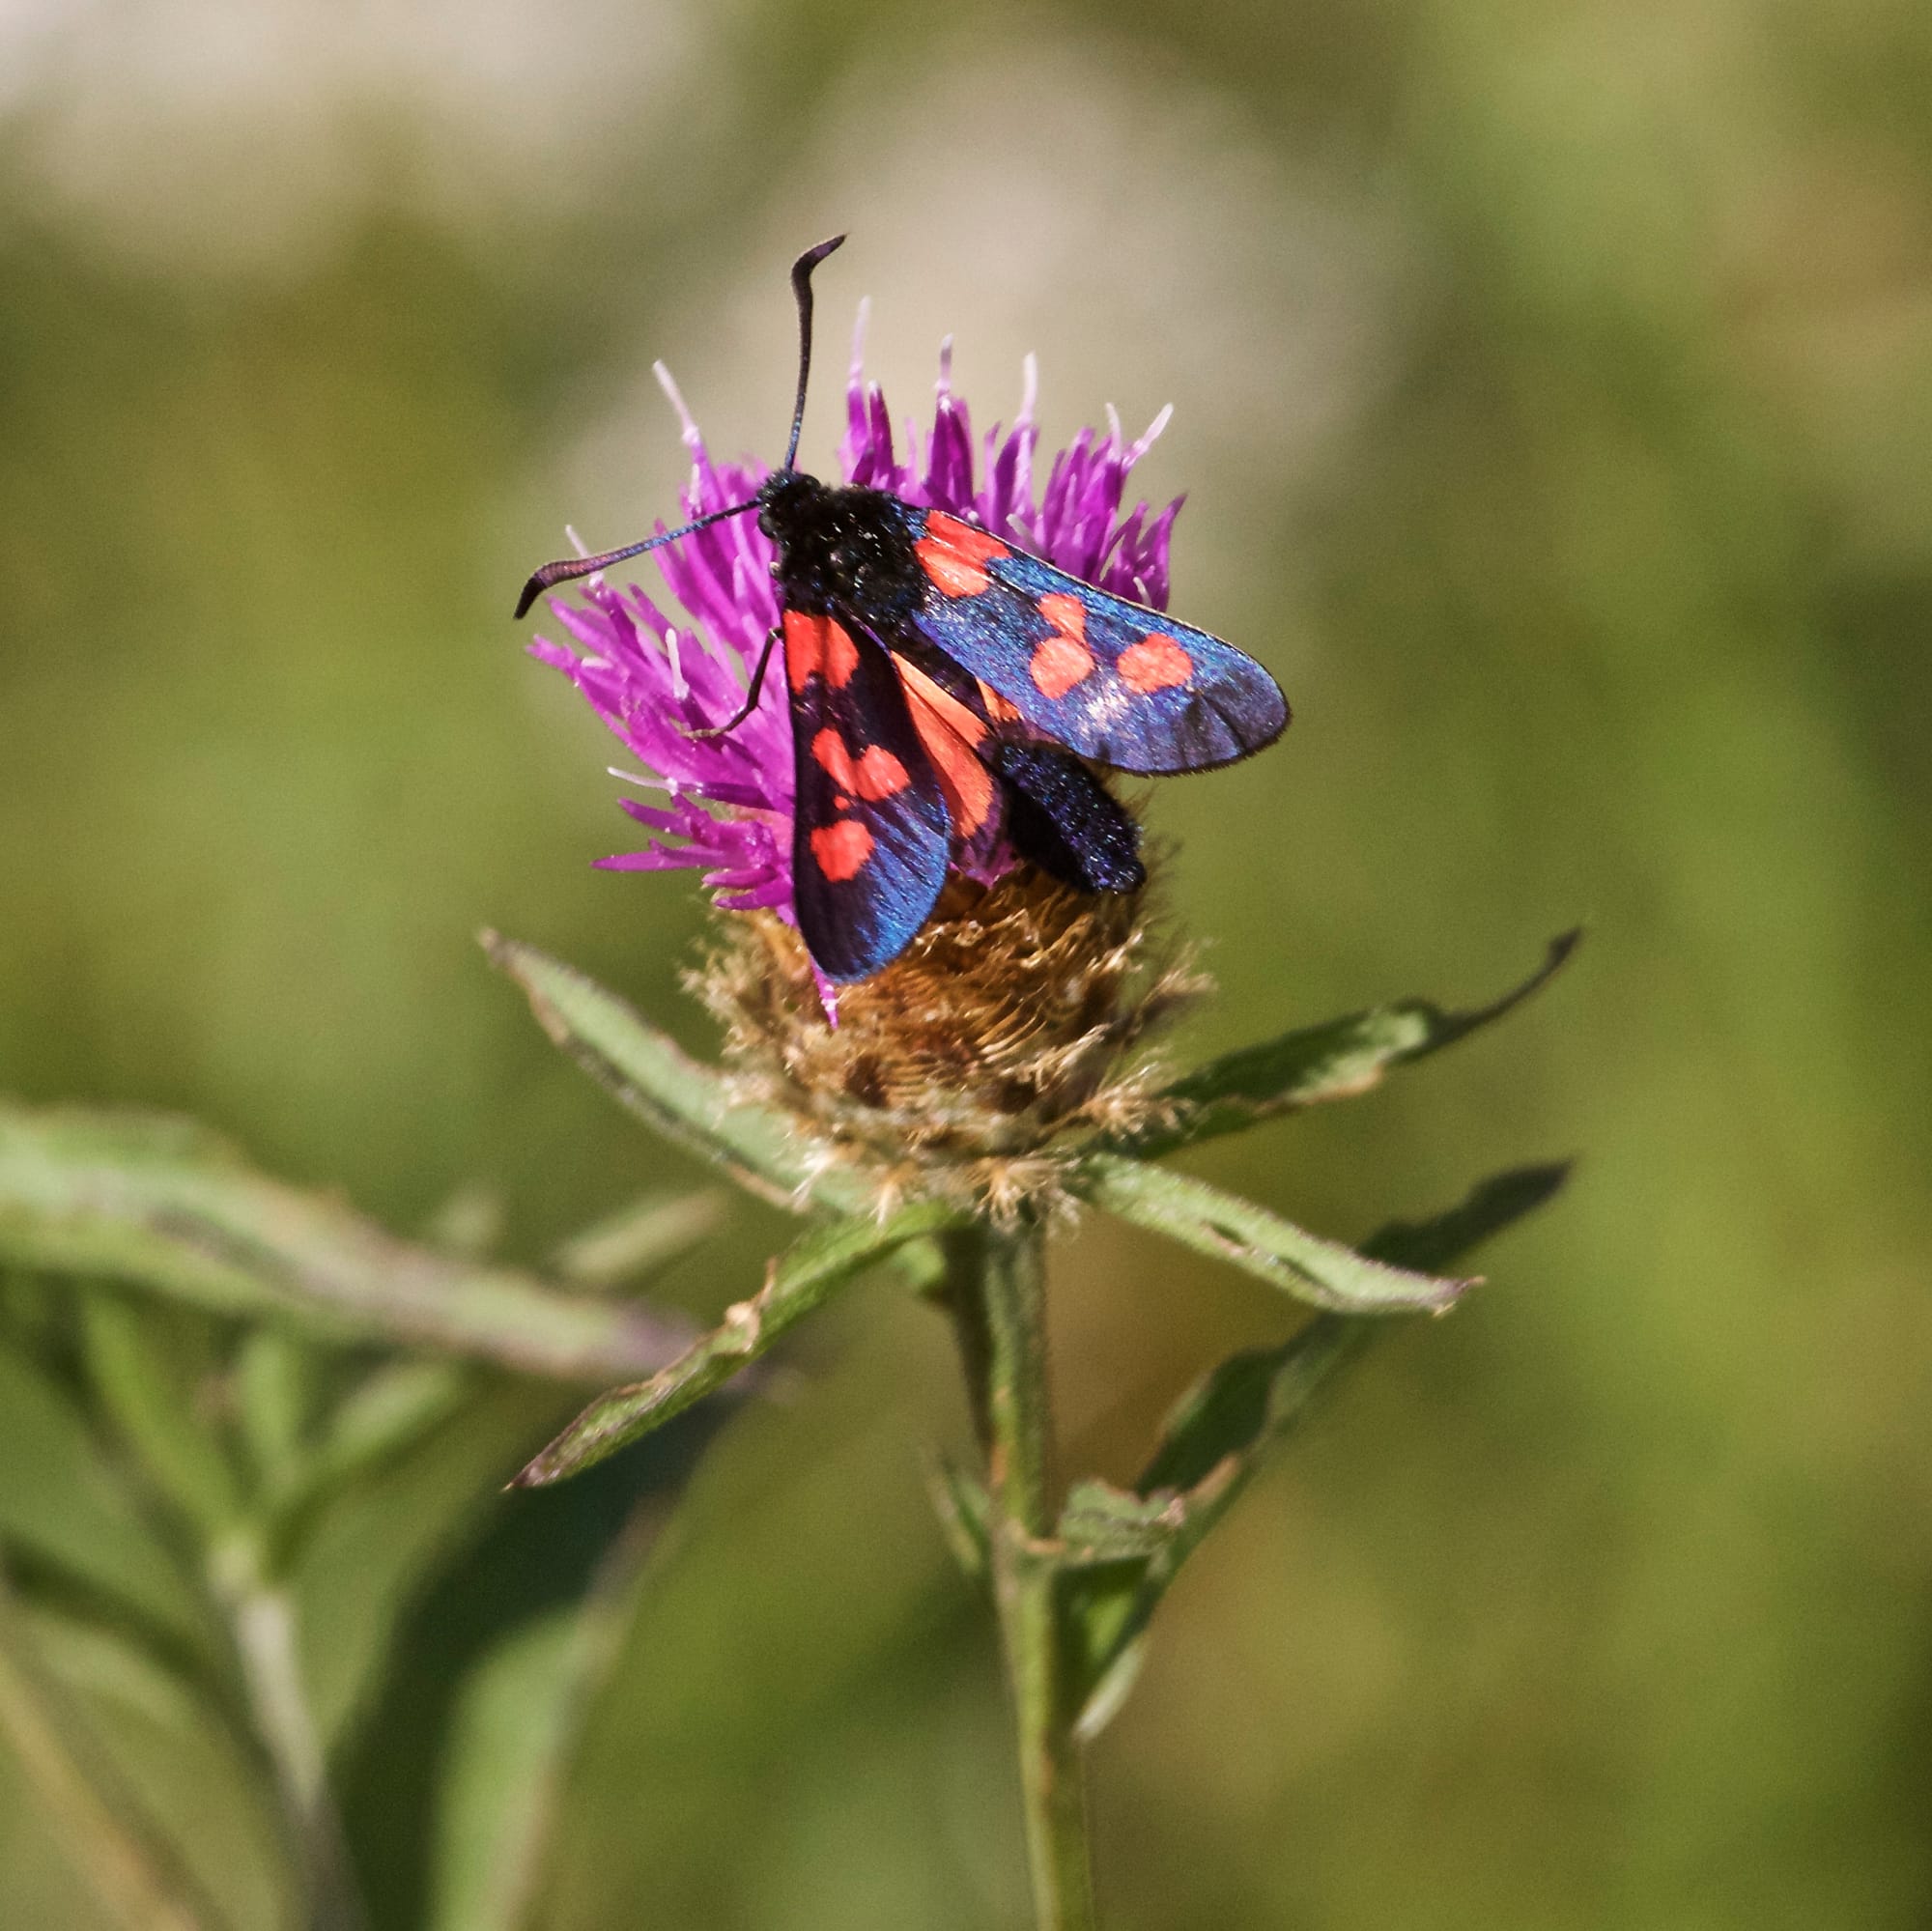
[
  {"x": 879, "y": 772},
  {"x": 817, "y": 645},
  {"x": 969, "y": 539},
  {"x": 1059, "y": 662},
  {"x": 874, "y": 774},
  {"x": 954, "y": 575},
  {"x": 842, "y": 654},
  {"x": 1065, "y": 614},
  {"x": 834, "y": 760},
  {"x": 948, "y": 731},
  {"x": 842, "y": 848},
  {"x": 804, "y": 647},
  {"x": 1155, "y": 663},
  {"x": 955, "y": 555}
]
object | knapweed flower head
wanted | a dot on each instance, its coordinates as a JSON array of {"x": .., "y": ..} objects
[{"x": 1002, "y": 1029}]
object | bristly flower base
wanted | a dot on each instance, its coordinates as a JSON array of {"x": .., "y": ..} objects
[{"x": 973, "y": 1070}]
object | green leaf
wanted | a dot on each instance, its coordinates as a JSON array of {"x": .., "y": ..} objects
[
  {"x": 1120, "y": 1552},
  {"x": 800, "y": 1280},
  {"x": 470, "y": 1221},
  {"x": 133, "y": 1867},
  {"x": 362, "y": 1557},
  {"x": 63, "y": 1503},
  {"x": 150, "y": 1385},
  {"x": 384, "y": 1416},
  {"x": 106, "y": 1664},
  {"x": 1237, "y": 1408},
  {"x": 1123, "y": 1549},
  {"x": 277, "y": 1391},
  {"x": 498, "y": 1766},
  {"x": 640, "y": 1241},
  {"x": 172, "y": 1209},
  {"x": 1102, "y": 1525},
  {"x": 1491, "y": 1205},
  {"x": 687, "y": 1101},
  {"x": 1323, "y": 1273},
  {"x": 1336, "y": 1060},
  {"x": 520, "y": 1716},
  {"x": 1255, "y": 1396},
  {"x": 965, "y": 1513}
]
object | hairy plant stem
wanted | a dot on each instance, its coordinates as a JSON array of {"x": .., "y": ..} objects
[{"x": 997, "y": 1288}]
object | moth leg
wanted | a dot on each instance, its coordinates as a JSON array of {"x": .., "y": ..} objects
[{"x": 750, "y": 702}]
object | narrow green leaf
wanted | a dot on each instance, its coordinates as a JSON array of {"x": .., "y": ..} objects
[
  {"x": 965, "y": 1513},
  {"x": 507, "y": 1737},
  {"x": 276, "y": 1393},
  {"x": 62, "y": 1501},
  {"x": 1100, "y": 1524},
  {"x": 107, "y": 1664},
  {"x": 134, "y": 1869},
  {"x": 384, "y": 1416},
  {"x": 1336, "y": 1060},
  {"x": 161, "y": 1408},
  {"x": 1105, "y": 1595},
  {"x": 800, "y": 1280},
  {"x": 1255, "y": 1396},
  {"x": 470, "y": 1221},
  {"x": 1122, "y": 1550},
  {"x": 173, "y": 1211},
  {"x": 519, "y": 1720},
  {"x": 1490, "y": 1206},
  {"x": 687, "y": 1101},
  {"x": 640, "y": 1241},
  {"x": 1249, "y": 1401},
  {"x": 1323, "y": 1273},
  {"x": 364, "y": 1558},
  {"x": 388, "y": 1411}
]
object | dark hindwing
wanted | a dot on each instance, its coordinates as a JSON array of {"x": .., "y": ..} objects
[
  {"x": 1062, "y": 818},
  {"x": 1112, "y": 680},
  {"x": 1052, "y": 810},
  {"x": 871, "y": 833}
]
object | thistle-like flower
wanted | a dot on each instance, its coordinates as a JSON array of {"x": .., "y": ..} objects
[{"x": 1005, "y": 1034}]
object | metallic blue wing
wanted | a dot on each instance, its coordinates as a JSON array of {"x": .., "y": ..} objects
[
  {"x": 1112, "y": 680},
  {"x": 871, "y": 833}
]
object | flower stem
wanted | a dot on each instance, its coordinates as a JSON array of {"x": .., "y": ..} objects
[
  {"x": 262, "y": 1623},
  {"x": 997, "y": 1291}
]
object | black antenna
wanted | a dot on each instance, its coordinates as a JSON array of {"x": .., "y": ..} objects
[
  {"x": 801, "y": 288},
  {"x": 567, "y": 567}
]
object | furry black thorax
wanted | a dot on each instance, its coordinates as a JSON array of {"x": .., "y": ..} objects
[{"x": 839, "y": 549}]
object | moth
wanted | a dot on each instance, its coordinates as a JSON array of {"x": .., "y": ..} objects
[{"x": 949, "y": 689}]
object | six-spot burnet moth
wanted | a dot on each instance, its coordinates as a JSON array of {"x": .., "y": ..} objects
[{"x": 948, "y": 690}]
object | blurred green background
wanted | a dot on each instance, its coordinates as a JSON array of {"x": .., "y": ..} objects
[{"x": 1553, "y": 394}]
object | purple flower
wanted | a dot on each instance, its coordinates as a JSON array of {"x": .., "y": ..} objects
[{"x": 727, "y": 800}]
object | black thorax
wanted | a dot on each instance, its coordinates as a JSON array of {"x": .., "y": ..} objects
[{"x": 839, "y": 549}]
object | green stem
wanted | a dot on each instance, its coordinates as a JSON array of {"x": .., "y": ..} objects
[
  {"x": 262, "y": 1623},
  {"x": 998, "y": 1291}
]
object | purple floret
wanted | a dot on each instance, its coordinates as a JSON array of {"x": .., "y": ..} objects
[{"x": 727, "y": 800}]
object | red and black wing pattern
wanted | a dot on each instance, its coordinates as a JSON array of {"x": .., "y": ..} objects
[
  {"x": 951, "y": 725},
  {"x": 1002, "y": 781},
  {"x": 872, "y": 830},
  {"x": 1112, "y": 680}
]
